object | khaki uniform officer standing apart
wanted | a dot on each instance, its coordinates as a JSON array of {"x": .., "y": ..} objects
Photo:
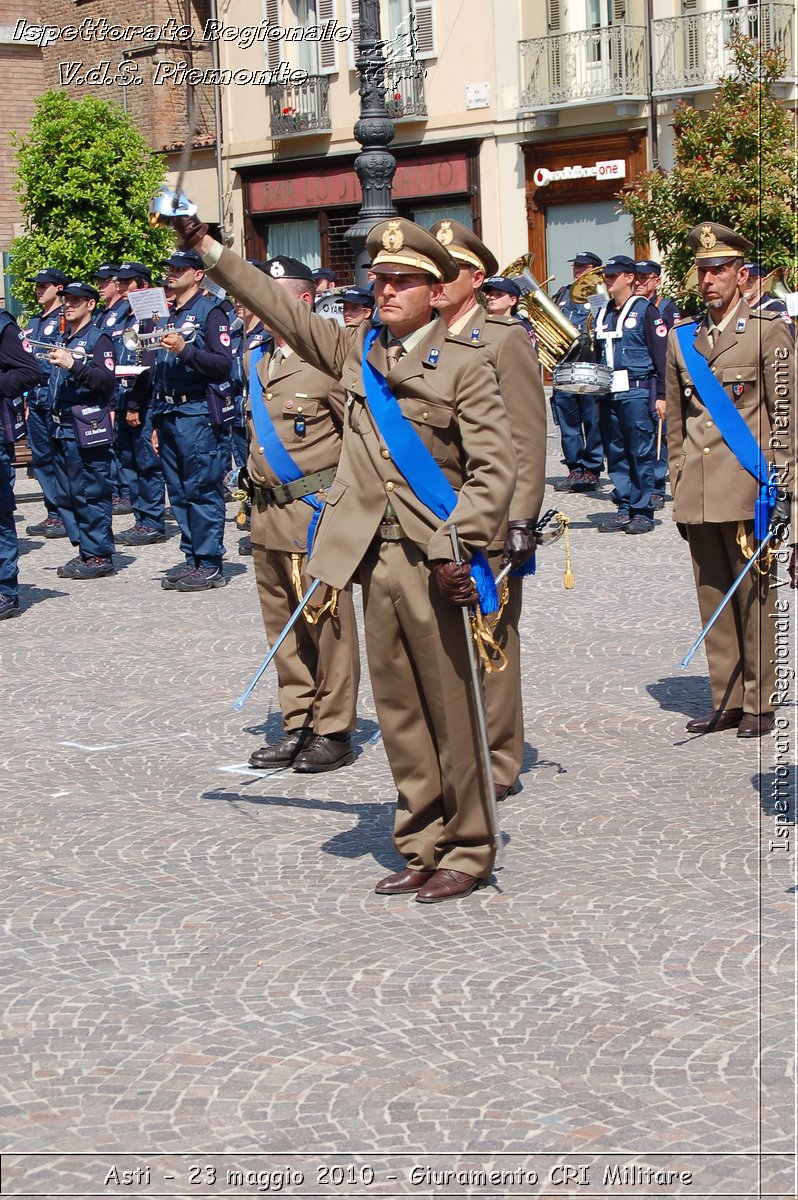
[
  {"x": 294, "y": 446},
  {"x": 521, "y": 387},
  {"x": 750, "y": 357},
  {"x": 377, "y": 527}
]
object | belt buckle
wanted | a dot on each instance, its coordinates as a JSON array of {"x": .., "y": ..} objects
[{"x": 391, "y": 531}]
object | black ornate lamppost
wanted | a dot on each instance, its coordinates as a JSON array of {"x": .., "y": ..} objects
[{"x": 375, "y": 165}]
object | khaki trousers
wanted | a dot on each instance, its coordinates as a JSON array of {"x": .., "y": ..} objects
[
  {"x": 503, "y": 689},
  {"x": 318, "y": 666},
  {"x": 418, "y": 660},
  {"x": 741, "y": 645}
]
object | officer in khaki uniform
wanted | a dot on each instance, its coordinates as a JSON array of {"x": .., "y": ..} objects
[
  {"x": 751, "y": 354},
  {"x": 376, "y": 527},
  {"x": 318, "y": 665},
  {"x": 521, "y": 386}
]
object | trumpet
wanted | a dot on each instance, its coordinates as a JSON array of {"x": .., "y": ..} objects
[
  {"x": 42, "y": 349},
  {"x": 135, "y": 342}
]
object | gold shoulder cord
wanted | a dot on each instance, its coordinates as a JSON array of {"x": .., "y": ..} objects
[
  {"x": 746, "y": 544},
  {"x": 315, "y": 614},
  {"x": 490, "y": 652}
]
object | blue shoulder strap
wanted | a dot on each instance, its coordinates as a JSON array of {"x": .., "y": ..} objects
[
  {"x": 417, "y": 465},
  {"x": 274, "y": 451},
  {"x": 731, "y": 426}
]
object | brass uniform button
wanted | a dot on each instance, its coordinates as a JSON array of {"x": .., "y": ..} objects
[
  {"x": 706, "y": 450},
  {"x": 389, "y": 486},
  {"x": 385, "y": 453}
]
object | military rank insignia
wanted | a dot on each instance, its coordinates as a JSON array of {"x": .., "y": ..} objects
[{"x": 737, "y": 390}]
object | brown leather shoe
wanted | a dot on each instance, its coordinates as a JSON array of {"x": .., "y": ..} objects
[
  {"x": 447, "y": 885},
  {"x": 755, "y": 725},
  {"x": 325, "y": 753},
  {"x": 502, "y": 791},
  {"x": 721, "y": 718},
  {"x": 408, "y": 880},
  {"x": 282, "y": 753}
]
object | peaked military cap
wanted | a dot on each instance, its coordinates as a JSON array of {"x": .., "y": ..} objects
[
  {"x": 84, "y": 291},
  {"x": 714, "y": 244},
  {"x": 49, "y": 275},
  {"x": 464, "y": 245},
  {"x": 399, "y": 247},
  {"x": 283, "y": 267}
]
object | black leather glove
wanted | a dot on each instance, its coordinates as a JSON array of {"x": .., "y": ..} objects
[
  {"x": 780, "y": 518},
  {"x": 455, "y": 583},
  {"x": 190, "y": 231},
  {"x": 682, "y": 530},
  {"x": 520, "y": 543}
]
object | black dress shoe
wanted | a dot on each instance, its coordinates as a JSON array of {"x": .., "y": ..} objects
[
  {"x": 282, "y": 753},
  {"x": 325, "y": 753},
  {"x": 721, "y": 718},
  {"x": 755, "y": 725},
  {"x": 447, "y": 885},
  {"x": 403, "y": 882}
]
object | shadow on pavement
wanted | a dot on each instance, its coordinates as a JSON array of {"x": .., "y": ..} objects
[{"x": 687, "y": 694}]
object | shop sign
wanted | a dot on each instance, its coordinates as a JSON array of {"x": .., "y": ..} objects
[{"x": 612, "y": 169}]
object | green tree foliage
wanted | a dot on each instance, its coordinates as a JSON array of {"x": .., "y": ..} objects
[
  {"x": 735, "y": 163},
  {"x": 85, "y": 178}
]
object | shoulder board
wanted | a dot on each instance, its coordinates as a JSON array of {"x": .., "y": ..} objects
[
  {"x": 460, "y": 340},
  {"x": 686, "y": 321},
  {"x": 765, "y": 314},
  {"x": 497, "y": 320}
]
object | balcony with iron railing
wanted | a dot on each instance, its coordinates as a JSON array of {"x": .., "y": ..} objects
[
  {"x": 691, "y": 53},
  {"x": 299, "y": 108},
  {"x": 404, "y": 90},
  {"x": 583, "y": 67}
]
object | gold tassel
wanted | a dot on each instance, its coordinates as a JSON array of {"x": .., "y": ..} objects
[
  {"x": 311, "y": 615},
  {"x": 745, "y": 542},
  {"x": 568, "y": 579},
  {"x": 490, "y": 652}
]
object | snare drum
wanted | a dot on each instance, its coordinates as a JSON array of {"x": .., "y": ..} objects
[{"x": 583, "y": 378}]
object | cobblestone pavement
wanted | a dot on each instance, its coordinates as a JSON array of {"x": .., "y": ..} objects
[{"x": 195, "y": 962}]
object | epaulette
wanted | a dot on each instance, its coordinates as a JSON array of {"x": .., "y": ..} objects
[
  {"x": 766, "y": 314},
  {"x": 498, "y": 320},
  {"x": 685, "y": 321},
  {"x": 461, "y": 340}
]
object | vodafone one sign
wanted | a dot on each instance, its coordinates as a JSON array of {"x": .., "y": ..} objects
[{"x": 612, "y": 169}]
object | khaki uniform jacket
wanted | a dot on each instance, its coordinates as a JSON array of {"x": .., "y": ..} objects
[
  {"x": 756, "y": 365},
  {"x": 446, "y": 388},
  {"x": 296, "y": 390},
  {"x": 521, "y": 388}
]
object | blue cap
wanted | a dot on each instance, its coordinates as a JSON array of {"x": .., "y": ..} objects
[
  {"x": 586, "y": 258},
  {"x": 324, "y": 273},
  {"x": 500, "y": 283},
  {"x": 133, "y": 270},
  {"x": 756, "y": 269},
  {"x": 184, "y": 260},
  {"x": 106, "y": 271},
  {"x": 49, "y": 275},
  {"x": 358, "y": 295},
  {"x": 620, "y": 264},
  {"x": 83, "y": 290},
  {"x": 647, "y": 266}
]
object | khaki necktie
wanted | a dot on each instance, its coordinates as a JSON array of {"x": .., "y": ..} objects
[
  {"x": 275, "y": 361},
  {"x": 393, "y": 352}
]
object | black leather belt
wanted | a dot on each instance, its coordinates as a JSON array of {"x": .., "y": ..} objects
[
  {"x": 182, "y": 399},
  {"x": 284, "y": 493}
]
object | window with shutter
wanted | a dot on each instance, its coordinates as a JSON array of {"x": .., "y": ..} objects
[
  {"x": 425, "y": 27},
  {"x": 553, "y": 17},
  {"x": 328, "y": 49},
  {"x": 353, "y": 21},
  {"x": 618, "y": 11},
  {"x": 273, "y": 45}
]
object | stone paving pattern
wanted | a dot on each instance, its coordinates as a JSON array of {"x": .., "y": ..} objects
[{"x": 194, "y": 960}]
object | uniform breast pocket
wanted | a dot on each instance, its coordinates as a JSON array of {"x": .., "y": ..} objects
[
  {"x": 299, "y": 415},
  {"x": 741, "y": 383},
  {"x": 432, "y": 421}
]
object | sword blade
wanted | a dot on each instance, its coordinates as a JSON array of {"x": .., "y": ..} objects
[{"x": 264, "y": 666}]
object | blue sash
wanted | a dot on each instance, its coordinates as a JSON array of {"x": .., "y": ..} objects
[
  {"x": 417, "y": 465},
  {"x": 274, "y": 451},
  {"x": 731, "y": 426}
]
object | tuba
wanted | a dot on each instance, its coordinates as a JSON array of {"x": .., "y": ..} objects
[{"x": 556, "y": 335}]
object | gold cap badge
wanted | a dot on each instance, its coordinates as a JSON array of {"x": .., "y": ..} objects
[
  {"x": 393, "y": 238},
  {"x": 707, "y": 237},
  {"x": 445, "y": 235}
]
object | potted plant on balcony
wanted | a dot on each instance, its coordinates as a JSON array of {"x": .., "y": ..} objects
[{"x": 395, "y": 105}]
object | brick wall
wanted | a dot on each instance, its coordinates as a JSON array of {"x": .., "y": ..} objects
[{"x": 22, "y": 73}]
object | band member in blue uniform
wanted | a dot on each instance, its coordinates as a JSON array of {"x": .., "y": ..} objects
[
  {"x": 82, "y": 392},
  {"x": 631, "y": 338},
  {"x": 49, "y": 325},
  {"x": 19, "y": 371},
  {"x": 111, "y": 317},
  {"x": 193, "y": 411},
  {"x": 575, "y": 414},
  {"x": 647, "y": 280}
]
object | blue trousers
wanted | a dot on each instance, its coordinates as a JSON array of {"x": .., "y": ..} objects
[
  {"x": 579, "y": 431},
  {"x": 9, "y": 550},
  {"x": 83, "y": 490},
  {"x": 38, "y": 426},
  {"x": 629, "y": 432},
  {"x": 194, "y": 458},
  {"x": 661, "y": 463},
  {"x": 239, "y": 445},
  {"x": 141, "y": 471}
]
